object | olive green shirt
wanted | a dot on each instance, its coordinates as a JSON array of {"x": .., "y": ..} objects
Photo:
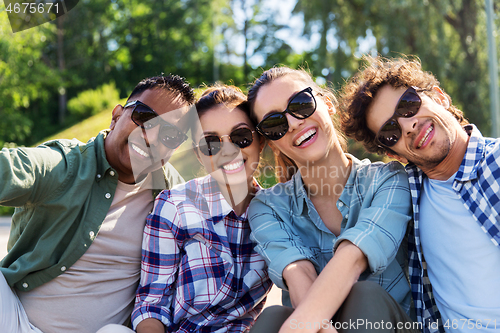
[{"x": 62, "y": 191}]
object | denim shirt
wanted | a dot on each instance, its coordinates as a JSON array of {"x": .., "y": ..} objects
[{"x": 375, "y": 205}]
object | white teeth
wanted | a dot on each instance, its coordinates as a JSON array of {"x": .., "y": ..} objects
[
  {"x": 139, "y": 151},
  {"x": 232, "y": 166},
  {"x": 304, "y": 136},
  {"x": 425, "y": 136}
]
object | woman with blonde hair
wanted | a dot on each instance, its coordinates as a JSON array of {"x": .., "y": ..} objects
[{"x": 331, "y": 221}]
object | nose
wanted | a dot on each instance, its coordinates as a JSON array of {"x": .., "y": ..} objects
[
  {"x": 227, "y": 147},
  {"x": 293, "y": 123},
  {"x": 408, "y": 125}
]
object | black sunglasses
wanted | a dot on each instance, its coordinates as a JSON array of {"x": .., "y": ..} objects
[
  {"x": 408, "y": 106},
  {"x": 146, "y": 118},
  {"x": 301, "y": 106},
  {"x": 211, "y": 144}
]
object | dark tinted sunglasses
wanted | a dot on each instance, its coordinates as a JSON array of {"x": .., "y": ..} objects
[
  {"x": 211, "y": 144},
  {"x": 146, "y": 118},
  {"x": 301, "y": 106},
  {"x": 408, "y": 106}
]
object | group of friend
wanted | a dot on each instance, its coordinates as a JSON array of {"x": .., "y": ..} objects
[{"x": 354, "y": 246}]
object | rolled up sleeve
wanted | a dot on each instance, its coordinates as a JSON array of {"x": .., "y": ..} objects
[{"x": 382, "y": 220}]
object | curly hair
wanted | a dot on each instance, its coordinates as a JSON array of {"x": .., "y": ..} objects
[
  {"x": 285, "y": 167},
  {"x": 361, "y": 89}
]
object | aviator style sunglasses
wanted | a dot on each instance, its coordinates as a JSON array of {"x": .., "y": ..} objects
[
  {"x": 146, "y": 118},
  {"x": 211, "y": 144},
  {"x": 408, "y": 106},
  {"x": 275, "y": 125}
]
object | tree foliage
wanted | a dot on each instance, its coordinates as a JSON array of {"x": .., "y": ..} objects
[
  {"x": 26, "y": 81},
  {"x": 101, "y": 41},
  {"x": 449, "y": 36}
]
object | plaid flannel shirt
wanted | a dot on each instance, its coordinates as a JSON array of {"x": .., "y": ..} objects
[
  {"x": 477, "y": 182},
  {"x": 199, "y": 269}
]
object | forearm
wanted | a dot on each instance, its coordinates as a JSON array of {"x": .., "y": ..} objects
[
  {"x": 331, "y": 288},
  {"x": 299, "y": 276},
  {"x": 150, "y": 325}
]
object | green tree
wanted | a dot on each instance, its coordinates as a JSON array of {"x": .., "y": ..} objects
[
  {"x": 26, "y": 82},
  {"x": 448, "y": 36}
]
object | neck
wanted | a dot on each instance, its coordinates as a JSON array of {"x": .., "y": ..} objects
[
  {"x": 452, "y": 161},
  {"x": 328, "y": 176},
  {"x": 238, "y": 195}
]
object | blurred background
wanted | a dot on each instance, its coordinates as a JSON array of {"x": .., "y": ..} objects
[{"x": 62, "y": 78}]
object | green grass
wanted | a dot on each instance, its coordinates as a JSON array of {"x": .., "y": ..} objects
[{"x": 86, "y": 129}]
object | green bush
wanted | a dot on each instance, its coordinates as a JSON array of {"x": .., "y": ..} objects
[
  {"x": 6, "y": 211},
  {"x": 91, "y": 102}
]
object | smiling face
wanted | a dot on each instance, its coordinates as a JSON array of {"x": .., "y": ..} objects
[
  {"x": 231, "y": 165},
  {"x": 134, "y": 152},
  {"x": 307, "y": 140},
  {"x": 427, "y": 137}
]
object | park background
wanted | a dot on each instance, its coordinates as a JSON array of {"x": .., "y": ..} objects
[{"x": 61, "y": 79}]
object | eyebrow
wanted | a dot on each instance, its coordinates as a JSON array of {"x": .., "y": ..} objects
[{"x": 239, "y": 125}]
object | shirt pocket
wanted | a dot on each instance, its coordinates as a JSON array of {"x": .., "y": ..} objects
[
  {"x": 205, "y": 275},
  {"x": 254, "y": 274}
]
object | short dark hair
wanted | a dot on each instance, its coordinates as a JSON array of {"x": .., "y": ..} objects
[
  {"x": 359, "y": 92},
  {"x": 175, "y": 84}
]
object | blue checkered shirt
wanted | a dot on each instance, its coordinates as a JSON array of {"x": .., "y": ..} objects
[
  {"x": 477, "y": 182},
  {"x": 199, "y": 269}
]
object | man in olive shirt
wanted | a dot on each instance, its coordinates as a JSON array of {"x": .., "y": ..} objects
[{"x": 75, "y": 244}]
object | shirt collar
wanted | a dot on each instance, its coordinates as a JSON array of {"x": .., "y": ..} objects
[
  {"x": 102, "y": 163},
  {"x": 345, "y": 197},
  {"x": 218, "y": 207},
  {"x": 473, "y": 155}
]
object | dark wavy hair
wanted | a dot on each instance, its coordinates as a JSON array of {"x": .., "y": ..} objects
[
  {"x": 359, "y": 92},
  {"x": 284, "y": 166}
]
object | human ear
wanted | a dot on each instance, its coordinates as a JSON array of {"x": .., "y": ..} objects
[
  {"x": 440, "y": 97},
  {"x": 116, "y": 114},
  {"x": 329, "y": 105}
]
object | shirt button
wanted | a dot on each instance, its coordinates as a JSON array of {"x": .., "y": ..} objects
[
  {"x": 340, "y": 204},
  {"x": 63, "y": 268},
  {"x": 99, "y": 175},
  {"x": 91, "y": 234},
  {"x": 111, "y": 173},
  {"x": 25, "y": 285},
  {"x": 107, "y": 195}
]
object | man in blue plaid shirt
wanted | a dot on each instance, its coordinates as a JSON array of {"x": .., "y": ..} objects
[{"x": 393, "y": 107}]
